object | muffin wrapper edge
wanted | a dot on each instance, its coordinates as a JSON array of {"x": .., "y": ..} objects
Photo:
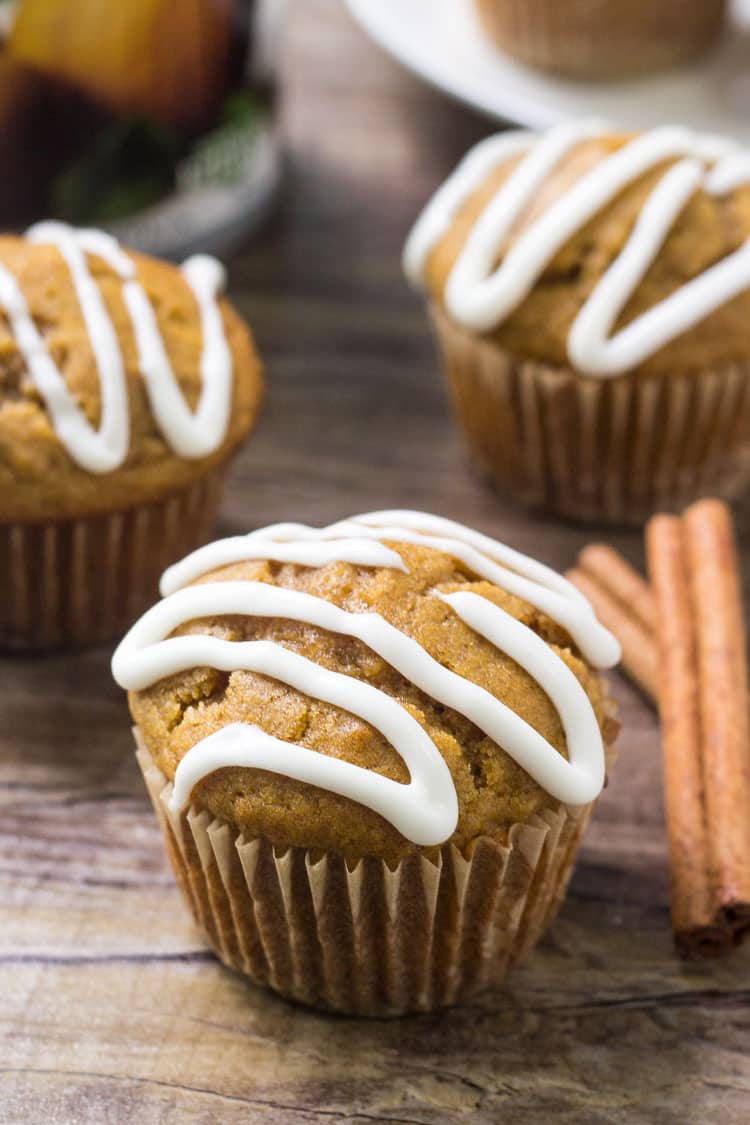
[
  {"x": 74, "y": 582},
  {"x": 605, "y": 450},
  {"x": 370, "y": 940}
]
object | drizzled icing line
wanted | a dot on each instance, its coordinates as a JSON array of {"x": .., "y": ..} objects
[
  {"x": 191, "y": 434},
  {"x": 481, "y": 295},
  {"x": 528, "y": 579},
  {"x": 426, "y": 810}
]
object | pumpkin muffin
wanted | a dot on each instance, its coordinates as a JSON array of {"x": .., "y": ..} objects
[
  {"x": 591, "y": 296},
  {"x": 596, "y": 39},
  {"x": 373, "y": 748},
  {"x": 125, "y": 386}
]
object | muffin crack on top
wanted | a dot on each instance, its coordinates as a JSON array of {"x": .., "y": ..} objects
[
  {"x": 202, "y": 698},
  {"x": 177, "y": 712},
  {"x": 708, "y": 228}
]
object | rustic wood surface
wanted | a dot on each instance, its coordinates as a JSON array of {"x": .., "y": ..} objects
[{"x": 111, "y": 1010}]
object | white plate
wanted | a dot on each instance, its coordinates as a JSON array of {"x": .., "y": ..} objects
[{"x": 441, "y": 41}]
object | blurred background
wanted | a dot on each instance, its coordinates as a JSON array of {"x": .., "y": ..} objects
[
  {"x": 150, "y": 117},
  {"x": 158, "y": 118}
]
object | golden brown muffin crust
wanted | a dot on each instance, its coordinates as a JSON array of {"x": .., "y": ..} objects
[
  {"x": 493, "y": 792},
  {"x": 709, "y": 228},
  {"x": 38, "y": 478}
]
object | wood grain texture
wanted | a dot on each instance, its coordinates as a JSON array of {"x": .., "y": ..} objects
[{"x": 110, "y": 1008}]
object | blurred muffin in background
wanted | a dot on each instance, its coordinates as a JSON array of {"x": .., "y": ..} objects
[
  {"x": 599, "y": 39},
  {"x": 591, "y": 296},
  {"x": 125, "y": 386}
]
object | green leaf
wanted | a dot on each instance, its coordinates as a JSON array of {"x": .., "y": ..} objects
[{"x": 130, "y": 165}]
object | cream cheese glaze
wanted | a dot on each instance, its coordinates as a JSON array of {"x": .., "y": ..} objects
[
  {"x": 190, "y": 434},
  {"x": 480, "y": 294},
  {"x": 425, "y": 811}
]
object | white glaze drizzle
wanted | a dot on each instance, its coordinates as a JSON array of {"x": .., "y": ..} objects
[
  {"x": 481, "y": 295},
  {"x": 528, "y": 579},
  {"x": 190, "y": 434},
  {"x": 426, "y": 810}
]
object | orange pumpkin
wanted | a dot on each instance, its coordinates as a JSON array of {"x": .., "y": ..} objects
[{"x": 167, "y": 59}]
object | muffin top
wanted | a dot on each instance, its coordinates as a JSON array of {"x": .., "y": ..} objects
[
  {"x": 121, "y": 377},
  {"x": 602, "y": 251},
  {"x": 388, "y": 683}
]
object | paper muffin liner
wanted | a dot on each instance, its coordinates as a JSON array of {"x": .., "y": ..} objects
[
  {"x": 601, "y": 39},
  {"x": 77, "y": 582},
  {"x": 602, "y": 450},
  {"x": 362, "y": 938}
]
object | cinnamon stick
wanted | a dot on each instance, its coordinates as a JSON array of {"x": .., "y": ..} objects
[
  {"x": 694, "y": 919},
  {"x": 637, "y": 642},
  {"x": 706, "y": 738},
  {"x": 624, "y": 603},
  {"x": 630, "y": 588},
  {"x": 701, "y": 655},
  {"x": 723, "y": 678}
]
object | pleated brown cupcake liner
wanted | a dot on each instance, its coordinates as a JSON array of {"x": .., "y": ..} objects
[
  {"x": 602, "y": 450},
  {"x": 70, "y": 583},
  {"x": 603, "y": 40},
  {"x": 365, "y": 939}
]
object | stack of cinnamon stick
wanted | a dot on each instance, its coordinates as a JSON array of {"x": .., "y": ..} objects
[{"x": 684, "y": 643}]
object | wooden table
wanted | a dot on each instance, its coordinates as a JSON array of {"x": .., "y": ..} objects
[{"x": 111, "y": 1010}]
